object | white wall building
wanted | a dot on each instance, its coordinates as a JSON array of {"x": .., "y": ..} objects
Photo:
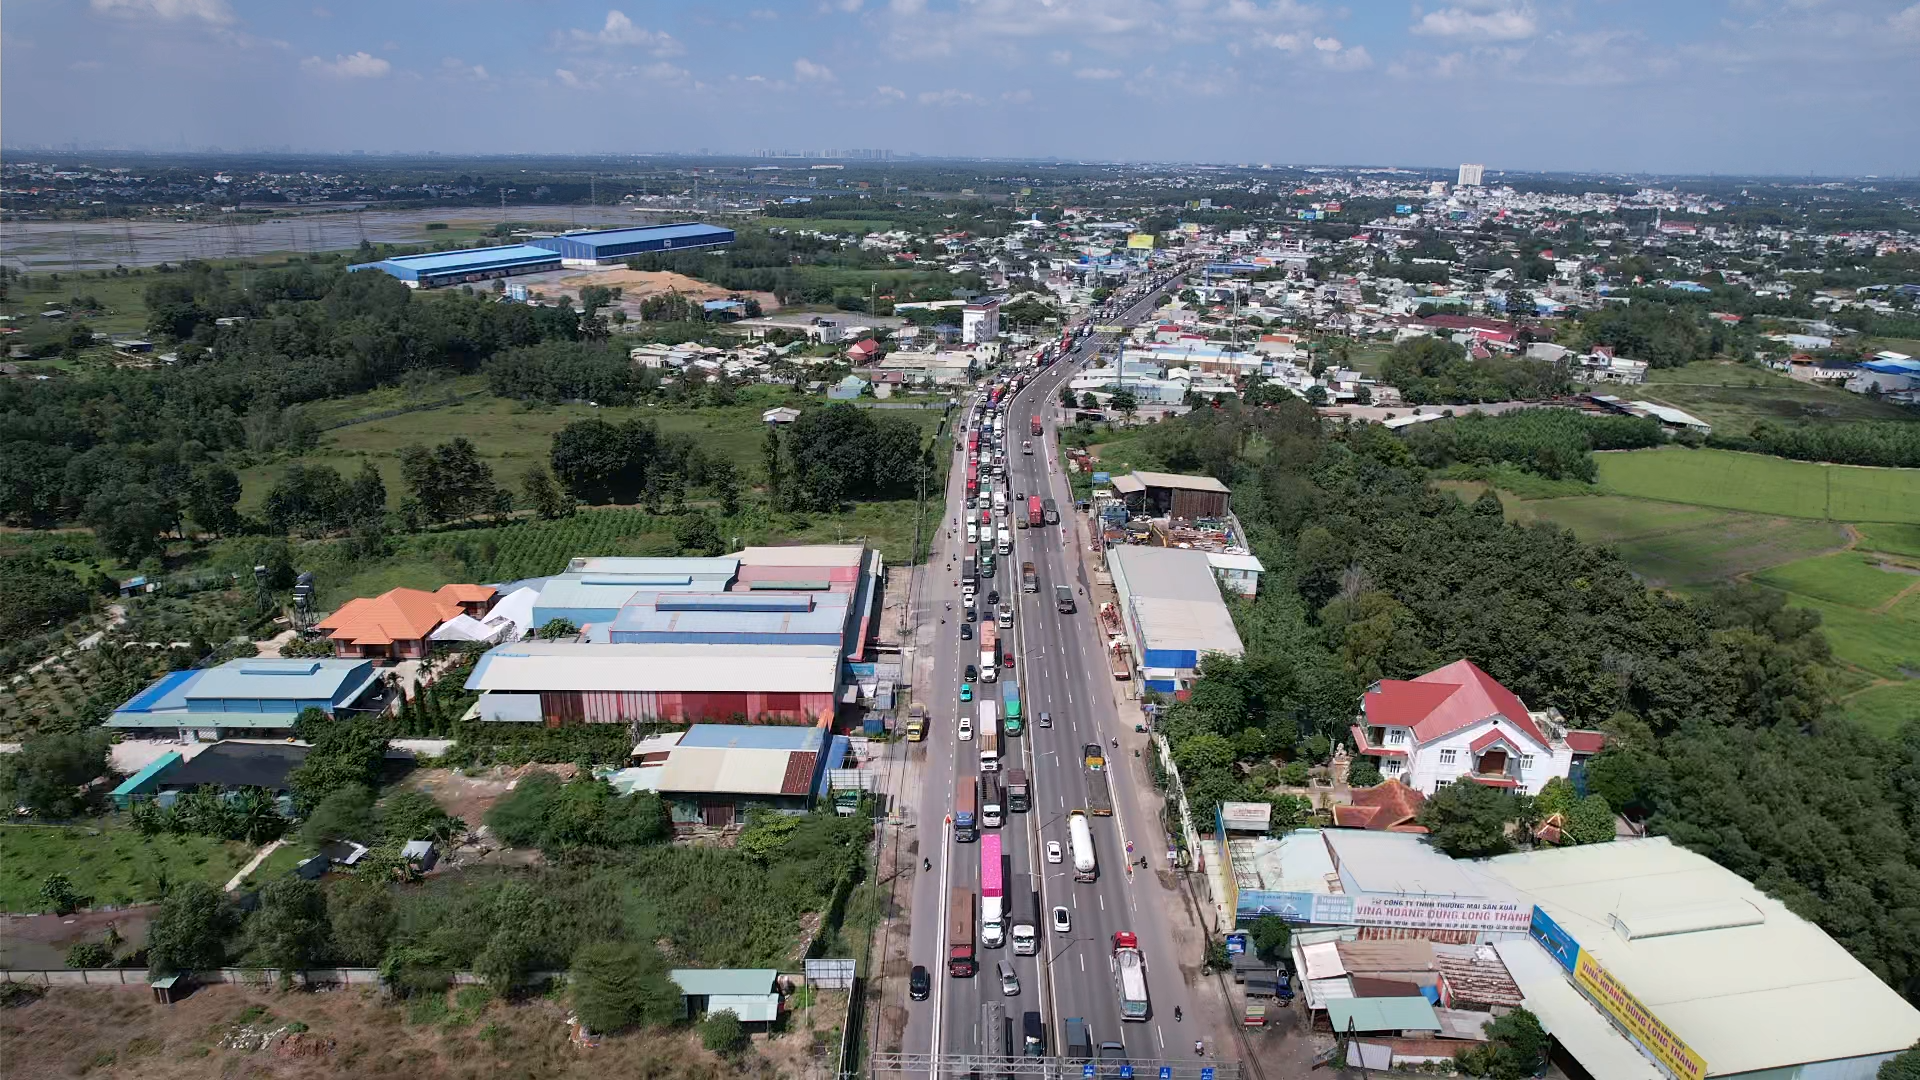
[
  {"x": 1457, "y": 724},
  {"x": 980, "y": 322},
  {"x": 1470, "y": 175}
]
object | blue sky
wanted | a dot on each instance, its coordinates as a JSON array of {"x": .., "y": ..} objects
[{"x": 1776, "y": 86}]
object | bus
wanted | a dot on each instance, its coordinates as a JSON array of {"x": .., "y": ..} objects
[{"x": 989, "y": 739}]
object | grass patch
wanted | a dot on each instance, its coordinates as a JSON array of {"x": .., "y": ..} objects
[
  {"x": 1766, "y": 485},
  {"x": 280, "y": 863},
  {"x": 1847, "y": 577},
  {"x": 1889, "y": 648},
  {"x": 1733, "y": 397},
  {"x": 1677, "y": 546},
  {"x": 1884, "y": 708},
  {"x": 110, "y": 864},
  {"x": 1517, "y": 481},
  {"x": 1890, "y": 538}
]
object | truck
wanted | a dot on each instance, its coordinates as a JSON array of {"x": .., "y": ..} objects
[
  {"x": 967, "y": 572},
  {"x": 987, "y": 568},
  {"x": 989, "y": 738},
  {"x": 1034, "y": 426},
  {"x": 1051, "y": 511},
  {"x": 1079, "y": 1040},
  {"x": 989, "y": 652},
  {"x": 1099, "y": 795},
  {"x": 916, "y": 722},
  {"x": 1080, "y": 837},
  {"x": 966, "y": 811},
  {"x": 1019, "y": 794},
  {"x": 993, "y": 1036},
  {"x": 961, "y": 963},
  {"x": 993, "y": 897},
  {"x": 1005, "y": 546},
  {"x": 1026, "y": 924},
  {"x": 1035, "y": 515},
  {"x": 1063, "y": 599},
  {"x": 1010, "y": 703},
  {"x": 1129, "y": 975},
  {"x": 992, "y": 805},
  {"x": 1029, "y": 578}
]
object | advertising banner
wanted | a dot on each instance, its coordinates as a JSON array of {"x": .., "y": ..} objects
[
  {"x": 1656, "y": 1038},
  {"x": 1558, "y": 943},
  {"x": 1140, "y": 241},
  {"x": 1431, "y": 913}
]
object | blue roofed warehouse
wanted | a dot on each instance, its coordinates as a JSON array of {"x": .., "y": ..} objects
[
  {"x": 602, "y": 246},
  {"x": 439, "y": 268}
]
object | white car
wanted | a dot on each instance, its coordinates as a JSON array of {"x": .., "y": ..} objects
[
  {"x": 1062, "y": 922},
  {"x": 1053, "y": 851},
  {"x": 973, "y": 533},
  {"x": 966, "y": 729}
]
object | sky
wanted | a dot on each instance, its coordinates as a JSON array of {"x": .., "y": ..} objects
[{"x": 1667, "y": 86}]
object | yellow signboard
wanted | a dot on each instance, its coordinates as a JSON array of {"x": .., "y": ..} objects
[
  {"x": 1638, "y": 1020},
  {"x": 1142, "y": 241}
]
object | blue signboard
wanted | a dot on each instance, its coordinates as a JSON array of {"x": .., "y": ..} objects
[
  {"x": 1126, "y": 1072},
  {"x": 1403, "y": 208},
  {"x": 1236, "y": 943},
  {"x": 1087, "y": 1069},
  {"x": 1206, "y": 1073},
  {"x": 1166, "y": 1072},
  {"x": 1558, "y": 943}
]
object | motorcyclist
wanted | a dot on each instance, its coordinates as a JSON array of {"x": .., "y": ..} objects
[
  {"x": 1199, "y": 1048},
  {"x": 1176, "y": 1014},
  {"x": 926, "y": 864}
]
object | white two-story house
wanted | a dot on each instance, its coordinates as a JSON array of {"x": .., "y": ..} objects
[{"x": 1457, "y": 723}]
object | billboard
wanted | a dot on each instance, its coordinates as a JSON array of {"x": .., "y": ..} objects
[
  {"x": 1386, "y": 909},
  {"x": 1140, "y": 241},
  {"x": 1558, "y": 943},
  {"x": 1656, "y": 1039}
]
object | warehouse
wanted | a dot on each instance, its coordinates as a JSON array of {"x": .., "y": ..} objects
[
  {"x": 1645, "y": 959},
  {"x": 715, "y": 775},
  {"x": 1171, "y": 609},
  {"x": 566, "y": 682},
  {"x": 602, "y": 247},
  {"x": 1157, "y": 494},
  {"x": 249, "y": 698},
  {"x": 466, "y": 267}
]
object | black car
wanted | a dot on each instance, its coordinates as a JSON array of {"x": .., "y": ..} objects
[
  {"x": 919, "y": 984},
  {"x": 972, "y": 673},
  {"x": 993, "y": 598},
  {"x": 966, "y": 632}
]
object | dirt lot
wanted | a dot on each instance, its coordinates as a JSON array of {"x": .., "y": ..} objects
[
  {"x": 235, "y": 1032},
  {"x": 470, "y": 797},
  {"x": 637, "y": 285},
  {"x": 35, "y": 942}
]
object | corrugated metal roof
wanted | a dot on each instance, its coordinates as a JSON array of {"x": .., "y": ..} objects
[
  {"x": 1179, "y": 481},
  {"x": 749, "y": 1008},
  {"x": 722, "y": 566},
  {"x": 753, "y": 737},
  {"x": 1201, "y": 625},
  {"x": 1382, "y": 1014},
  {"x": 639, "y": 234},
  {"x": 276, "y": 680},
  {"x": 1163, "y": 573},
  {"x": 706, "y": 982},
  {"x": 704, "y": 770},
  {"x": 1573, "y": 1021},
  {"x": 442, "y": 262},
  {"x": 803, "y": 555},
  {"x": 1386, "y": 862},
  {"x": 567, "y": 665}
]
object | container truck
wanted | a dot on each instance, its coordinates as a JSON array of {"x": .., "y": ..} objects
[
  {"x": 1063, "y": 599},
  {"x": 1080, "y": 836},
  {"x": 1099, "y": 795},
  {"x": 989, "y": 652},
  {"x": 1019, "y": 795},
  {"x": 993, "y": 1035},
  {"x": 989, "y": 739},
  {"x": 993, "y": 927},
  {"x": 961, "y": 963},
  {"x": 1035, "y": 515},
  {"x": 966, "y": 811},
  {"x": 1010, "y": 703},
  {"x": 1034, "y": 426},
  {"x": 992, "y": 807},
  {"x": 1129, "y": 975},
  {"x": 1029, "y": 578}
]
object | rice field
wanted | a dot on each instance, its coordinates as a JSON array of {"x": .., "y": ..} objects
[{"x": 1759, "y": 484}]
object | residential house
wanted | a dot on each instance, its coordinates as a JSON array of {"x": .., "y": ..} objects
[
  {"x": 1390, "y": 806},
  {"x": 1458, "y": 723},
  {"x": 398, "y": 624}
]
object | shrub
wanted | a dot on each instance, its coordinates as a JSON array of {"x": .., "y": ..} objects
[
  {"x": 1364, "y": 773},
  {"x": 90, "y": 954},
  {"x": 722, "y": 1033}
]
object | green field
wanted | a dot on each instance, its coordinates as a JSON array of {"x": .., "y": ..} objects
[
  {"x": 111, "y": 865},
  {"x": 1764, "y": 485},
  {"x": 1676, "y": 546},
  {"x": 1853, "y": 578},
  {"x": 1885, "y": 707},
  {"x": 1895, "y": 539},
  {"x": 1732, "y": 397}
]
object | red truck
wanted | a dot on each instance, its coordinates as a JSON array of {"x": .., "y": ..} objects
[
  {"x": 1035, "y": 516},
  {"x": 1036, "y": 426},
  {"x": 960, "y": 961}
]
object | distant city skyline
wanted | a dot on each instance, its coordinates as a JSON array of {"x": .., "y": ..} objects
[{"x": 1631, "y": 86}]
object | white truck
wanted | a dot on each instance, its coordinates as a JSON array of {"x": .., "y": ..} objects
[
  {"x": 1080, "y": 837},
  {"x": 1005, "y": 546},
  {"x": 1130, "y": 975}
]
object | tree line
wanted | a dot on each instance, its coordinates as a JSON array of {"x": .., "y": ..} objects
[
  {"x": 1434, "y": 371},
  {"x": 1554, "y": 443}
]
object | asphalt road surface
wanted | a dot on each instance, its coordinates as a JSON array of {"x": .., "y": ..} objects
[{"x": 1061, "y": 670}]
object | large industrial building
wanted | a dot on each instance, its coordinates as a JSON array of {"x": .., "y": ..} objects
[
  {"x": 248, "y": 698},
  {"x": 765, "y": 635},
  {"x": 1172, "y": 612},
  {"x": 602, "y": 247},
  {"x": 472, "y": 265}
]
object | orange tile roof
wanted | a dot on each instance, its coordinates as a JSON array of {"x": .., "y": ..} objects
[
  {"x": 395, "y": 615},
  {"x": 1387, "y": 807},
  {"x": 466, "y": 594}
]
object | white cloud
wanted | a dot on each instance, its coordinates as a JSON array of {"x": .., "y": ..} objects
[
  {"x": 948, "y": 97},
  {"x": 455, "y": 68},
  {"x": 1327, "y": 44},
  {"x": 621, "y": 32},
  {"x": 1061, "y": 57},
  {"x": 569, "y": 79},
  {"x": 211, "y": 11},
  {"x": 1098, "y": 73},
  {"x": 360, "y": 65},
  {"x": 1017, "y": 97},
  {"x": 1906, "y": 24},
  {"x": 890, "y": 93},
  {"x": 807, "y": 71},
  {"x": 1499, "y": 22},
  {"x": 908, "y": 7},
  {"x": 1292, "y": 43},
  {"x": 1354, "y": 58}
]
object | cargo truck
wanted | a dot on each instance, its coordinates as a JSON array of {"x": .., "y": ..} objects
[
  {"x": 1026, "y": 924},
  {"x": 993, "y": 1036},
  {"x": 916, "y": 723},
  {"x": 1035, "y": 516},
  {"x": 1035, "y": 428},
  {"x": 961, "y": 963},
  {"x": 1051, "y": 511},
  {"x": 1063, "y": 599},
  {"x": 1079, "y": 1040},
  {"x": 1080, "y": 836},
  {"x": 1019, "y": 795},
  {"x": 993, "y": 927},
  {"x": 1005, "y": 544},
  {"x": 1010, "y": 704},
  {"x": 966, "y": 811},
  {"x": 967, "y": 572},
  {"x": 1099, "y": 795},
  {"x": 989, "y": 653},
  {"x": 992, "y": 808},
  {"x": 1129, "y": 976},
  {"x": 989, "y": 738},
  {"x": 1029, "y": 579}
]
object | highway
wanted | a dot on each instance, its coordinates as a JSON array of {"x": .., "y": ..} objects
[{"x": 1061, "y": 670}]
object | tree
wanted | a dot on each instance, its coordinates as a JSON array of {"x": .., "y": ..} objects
[
  {"x": 545, "y": 497},
  {"x": 129, "y": 520},
  {"x": 310, "y": 497},
  {"x": 58, "y": 893},
  {"x": 556, "y": 628},
  {"x": 1904, "y": 1065},
  {"x": 49, "y": 774},
  {"x": 289, "y": 929},
  {"x": 722, "y": 1033},
  {"x": 449, "y": 481},
  {"x": 212, "y": 497},
  {"x": 1590, "y": 822},
  {"x": 1515, "y": 1049},
  {"x": 697, "y": 535},
  {"x": 1271, "y": 935},
  {"x": 35, "y": 594},
  {"x": 348, "y": 753},
  {"x": 361, "y": 914},
  {"x": 366, "y": 500},
  {"x": 1126, "y": 403},
  {"x": 345, "y": 813},
  {"x": 1364, "y": 773},
  {"x": 724, "y": 481},
  {"x": 1067, "y": 400},
  {"x": 617, "y": 985},
  {"x": 1469, "y": 820},
  {"x": 190, "y": 931},
  {"x": 1088, "y": 401}
]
